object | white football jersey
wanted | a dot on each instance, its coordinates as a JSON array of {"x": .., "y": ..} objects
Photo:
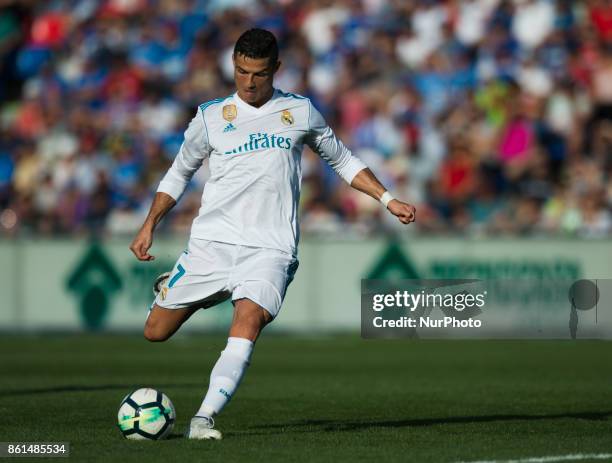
[{"x": 252, "y": 195}]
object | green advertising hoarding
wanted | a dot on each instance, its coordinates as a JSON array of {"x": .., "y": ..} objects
[{"x": 81, "y": 285}]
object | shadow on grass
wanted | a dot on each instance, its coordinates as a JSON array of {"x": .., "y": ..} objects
[
  {"x": 83, "y": 388},
  {"x": 352, "y": 425}
]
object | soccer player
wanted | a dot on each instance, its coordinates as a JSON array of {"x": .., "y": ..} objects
[{"x": 243, "y": 243}]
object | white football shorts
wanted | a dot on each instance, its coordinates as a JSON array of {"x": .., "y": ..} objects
[{"x": 210, "y": 272}]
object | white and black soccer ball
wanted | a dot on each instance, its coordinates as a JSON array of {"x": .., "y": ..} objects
[{"x": 146, "y": 414}]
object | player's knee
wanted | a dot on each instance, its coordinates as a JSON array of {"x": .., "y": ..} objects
[
  {"x": 255, "y": 318},
  {"x": 249, "y": 325},
  {"x": 155, "y": 333}
]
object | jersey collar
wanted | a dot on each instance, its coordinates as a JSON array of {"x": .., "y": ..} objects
[{"x": 264, "y": 107}]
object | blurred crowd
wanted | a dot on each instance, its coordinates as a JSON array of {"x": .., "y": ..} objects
[{"x": 493, "y": 117}]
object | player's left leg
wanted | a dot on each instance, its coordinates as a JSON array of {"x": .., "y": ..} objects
[
  {"x": 249, "y": 319},
  {"x": 259, "y": 283}
]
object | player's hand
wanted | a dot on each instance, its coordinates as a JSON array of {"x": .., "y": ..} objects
[
  {"x": 142, "y": 243},
  {"x": 405, "y": 212}
]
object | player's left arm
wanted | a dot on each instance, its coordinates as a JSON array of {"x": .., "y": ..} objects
[
  {"x": 324, "y": 142},
  {"x": 366, "y": 182}
]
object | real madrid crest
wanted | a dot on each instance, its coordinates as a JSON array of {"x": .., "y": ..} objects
[
  {"x": 230, "y": 112},
  {"x": 287, "y": 117}
]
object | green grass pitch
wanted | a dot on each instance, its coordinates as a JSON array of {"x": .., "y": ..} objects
[{"x": 320, "y": 399}]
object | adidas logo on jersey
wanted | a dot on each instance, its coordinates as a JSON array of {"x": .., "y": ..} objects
[{"x": 229, "y": 127}]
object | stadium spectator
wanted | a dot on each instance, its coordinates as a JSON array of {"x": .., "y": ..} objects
[{"x": 494, "y": 116}]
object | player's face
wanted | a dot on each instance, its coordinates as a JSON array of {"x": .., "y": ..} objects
[{"x": 254, "y": 77}]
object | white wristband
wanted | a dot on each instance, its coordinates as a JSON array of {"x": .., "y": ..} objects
[{"x": 386, "y": 198}]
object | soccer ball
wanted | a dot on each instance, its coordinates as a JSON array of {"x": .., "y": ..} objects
[{"x": 146, "y": 414}]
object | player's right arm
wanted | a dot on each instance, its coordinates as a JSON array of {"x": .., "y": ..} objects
[
  {"x": 193, "y": 151},
  {"x": 162, "y": 203}
]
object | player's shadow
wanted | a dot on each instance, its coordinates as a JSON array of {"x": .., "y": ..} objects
[
  {"x": 86, "y": 388},
  {"x": 306, "y": 426}
]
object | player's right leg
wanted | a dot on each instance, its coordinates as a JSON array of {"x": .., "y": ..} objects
[
  {"x": 198, "y": 280},
  {"x": 163, "y": 323}
]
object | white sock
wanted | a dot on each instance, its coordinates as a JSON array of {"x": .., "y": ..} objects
[{"x": 226, "y": 375}]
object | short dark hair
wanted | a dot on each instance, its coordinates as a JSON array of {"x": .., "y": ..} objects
[{"x": 257, "y": 43}]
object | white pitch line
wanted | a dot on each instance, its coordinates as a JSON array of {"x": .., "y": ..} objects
[{"x": 550, "y": 459}]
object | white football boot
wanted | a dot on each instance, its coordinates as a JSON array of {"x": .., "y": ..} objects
[
  {"x": 159, "y": 282},
  {"x": 202, "y": 427}
]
